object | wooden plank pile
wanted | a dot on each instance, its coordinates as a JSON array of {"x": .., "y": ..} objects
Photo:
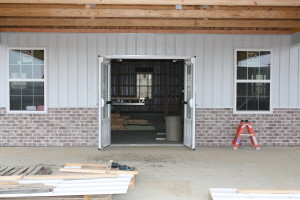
[
  {"x": 119, "y": 122},
  {"x": 27, "y": 170},
  {"x": 253, "y": 194},
  {"x": 73, "y": 182}
]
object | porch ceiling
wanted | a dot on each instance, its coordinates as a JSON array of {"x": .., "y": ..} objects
[{"x": 189, "y": 16}]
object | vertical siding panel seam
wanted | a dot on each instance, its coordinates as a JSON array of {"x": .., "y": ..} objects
[
  {"x": 136, "y": 44},
  {"x": 67, "y": 68},
  {"x": 212, "y": 70},
  {"x": 97, "y": 70},
  {"x": 58, "y": 82},
  {"x": 204, "y": 46},
  {"x": 146, "y": 46},
  {"x": 77, "y": 68},
  {"x": 298, "y": 77},
  {"x": 116, "y": 43},
  {"x": 155, "y": 45},
  {"x": 222, "y": 69},
  {"x": 289, "y": 71},
  {"x": 279, "y": 69},
  {"x": 126, "y": 44},
  {"x": 87, "y": 67},
  {"x": 298, "y": 67},
  {"x": 289, "y": 77}
]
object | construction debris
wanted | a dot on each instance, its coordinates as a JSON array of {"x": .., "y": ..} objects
[
  {"x": 88, "y": 182},
  {"x": 254, "y": 194}
]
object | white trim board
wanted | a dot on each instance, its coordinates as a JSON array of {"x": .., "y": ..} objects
[{"x": 232, "y": 193}]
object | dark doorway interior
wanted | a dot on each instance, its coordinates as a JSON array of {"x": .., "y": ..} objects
[{"x": 144, "y": 92}]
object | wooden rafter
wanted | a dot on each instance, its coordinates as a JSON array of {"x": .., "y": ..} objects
[
  {"x": 168, "y": 2},
  {"x": 143, "y": 30},
  {"x": 138, "y": 13},
  {"x": 264, "y": 15},
  {"x": 123, "y": 22}
]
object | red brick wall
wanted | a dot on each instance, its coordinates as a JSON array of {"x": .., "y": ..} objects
[
  {"x": 79, "y": 127},
  {"x": 60, "y": 127},
  {"x": 217, "y": 127}
]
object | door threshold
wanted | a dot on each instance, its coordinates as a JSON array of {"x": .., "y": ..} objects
[{"x": 147, "y": 145}]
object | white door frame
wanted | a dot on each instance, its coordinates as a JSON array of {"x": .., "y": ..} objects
[
  {"x": 104, "y": 120},
  {"x": 159, "y": 57}
]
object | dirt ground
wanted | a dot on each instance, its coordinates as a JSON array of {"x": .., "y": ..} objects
[{"x": 176, "y": 172}]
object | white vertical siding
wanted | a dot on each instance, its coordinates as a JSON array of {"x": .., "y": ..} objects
[
  {"x": 208, "y": 78},
  {"x": 218, "y": 73},
  {"x": 3, "y": 69},
  {"x": 63, "y": 71},
  {"x": 73, "y": 70},
  {"x": 92, "y": 74},
  {"x": 200, "y": 49},
  {"x": 284, "y": 72},
  {"x": 82, "y": 77},
  {"x": 294, "y": 78},
  {"x": 228, "y": 62}
]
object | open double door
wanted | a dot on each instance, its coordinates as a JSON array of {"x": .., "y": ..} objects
[{"x": 105, "y": 100}]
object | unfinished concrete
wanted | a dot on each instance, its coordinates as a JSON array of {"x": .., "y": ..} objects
[{"x": 176, "y": 172}]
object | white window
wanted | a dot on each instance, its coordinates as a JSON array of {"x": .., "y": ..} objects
[
  {"x": 144, "y": 85},
  {"x": 252, "y": 81},
  {"x": 27, "y": 80}
]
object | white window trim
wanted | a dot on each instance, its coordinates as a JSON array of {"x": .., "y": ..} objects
[
  {"x": 27, "y": 80},
  {"x": 252, "y": 81}
]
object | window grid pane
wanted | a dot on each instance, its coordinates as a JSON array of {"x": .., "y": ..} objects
[
  {"x": 27, "y": 93},
  {"x": 251, "y": 94},
  {"x": 253, "y": 65}
]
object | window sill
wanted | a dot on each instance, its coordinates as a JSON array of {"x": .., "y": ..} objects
[
  {"x": 26, "y": 112},
  {"x": 253, "y": 112}
]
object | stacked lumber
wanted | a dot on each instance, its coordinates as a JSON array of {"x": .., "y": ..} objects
[
  {"x": 254, "y": 194},
  {"x": 119, "y": 122},
  {"x": 75, "y": 181},
  {"x": 21, "y": 170}
]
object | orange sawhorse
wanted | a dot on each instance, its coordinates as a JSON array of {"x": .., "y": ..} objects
[{"x": 240, "y": 132}]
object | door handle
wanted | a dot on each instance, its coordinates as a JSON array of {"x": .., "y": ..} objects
[
  {"x": 184, "y": 102},
  {"x": 108, "y": 102}
]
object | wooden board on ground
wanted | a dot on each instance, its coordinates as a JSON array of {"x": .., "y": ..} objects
[
  {"x": 86, "y": 197},
  {"x": 95, "y": 168},
  {"x": 23, "y": 170},
  {"x": 253, "y": 194},
  {"x": 25, "y": 188},
  {"x": 268, "y": 191},
  {"x": 99, "y": 170}
]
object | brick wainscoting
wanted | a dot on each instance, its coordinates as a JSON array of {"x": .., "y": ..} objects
[
  {"x": 60, "y": 127},
  {"x": 79, "y": 127},
  {"x": 217, "y": 127}
]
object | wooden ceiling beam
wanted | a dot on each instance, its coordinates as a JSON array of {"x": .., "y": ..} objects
[
  {"x": 248, "y": 23},
  {"x": 145, "y": 7},
  {"x": 167, "y": 2},
  {"x": 137, "y": 13},
  {"x": 42, "y": 22},
  {"x": 135, "y": 30},
  {"x": 96, "y": 22}
]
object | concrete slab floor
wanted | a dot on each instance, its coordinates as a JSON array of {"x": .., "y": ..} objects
[{"x": 176, "y": 172}]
